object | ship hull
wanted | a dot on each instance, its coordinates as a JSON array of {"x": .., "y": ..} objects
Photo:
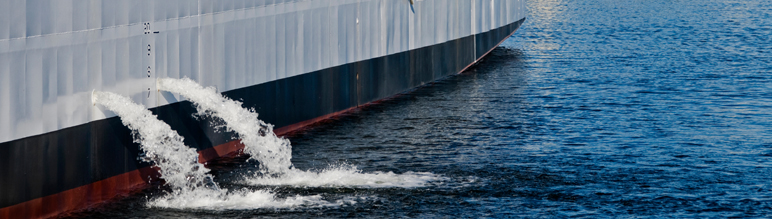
[{"x": 76, "y": 167}]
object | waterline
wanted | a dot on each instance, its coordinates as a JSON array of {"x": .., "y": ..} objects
[
  {"x": 192, "y": 187},
  {"x": 274, "y": 153}
]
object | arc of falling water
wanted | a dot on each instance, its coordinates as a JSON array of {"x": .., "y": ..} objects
[
  {"x": 161, "y": 145},
  {"x": 273, "y": 153}
]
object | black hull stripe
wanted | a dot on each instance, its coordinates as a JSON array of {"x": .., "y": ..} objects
[{"x": 50, "y": 163}]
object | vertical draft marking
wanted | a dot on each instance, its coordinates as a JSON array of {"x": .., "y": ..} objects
[{"x": 147, "y": 27}]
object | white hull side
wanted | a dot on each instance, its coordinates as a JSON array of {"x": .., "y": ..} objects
[{"x": 53, "y": 53}]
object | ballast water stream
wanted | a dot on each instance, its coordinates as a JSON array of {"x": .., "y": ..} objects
[
  {"x": 191, "y": 185},
  {"x": 274, "y": 153}
]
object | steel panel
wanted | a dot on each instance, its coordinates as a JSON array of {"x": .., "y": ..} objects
[
  {"x": 54, "y": 161},
  {"x": 6, "y": 89},
  {"x": 100, "y": 44},
  {"x": 5, "y": 23}
]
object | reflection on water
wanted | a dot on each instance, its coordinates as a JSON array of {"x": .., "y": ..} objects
[{"x": 594, "y": 108}]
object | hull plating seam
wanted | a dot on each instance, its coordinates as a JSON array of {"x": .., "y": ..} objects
[{"x": 73, "y": 168}]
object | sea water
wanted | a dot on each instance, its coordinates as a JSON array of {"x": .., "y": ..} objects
[
  {"x": 593, "y": 109},
  {"x": 273, "y": 153}
]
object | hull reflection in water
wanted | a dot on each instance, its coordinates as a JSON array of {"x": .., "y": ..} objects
[
  {"x": 274, "y": 153},
  {"x": 294, "y": 62}
]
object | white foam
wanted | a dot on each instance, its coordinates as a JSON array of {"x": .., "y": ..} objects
[
  {"x": 162, "y": 146},
  {"x": 273, "y": 153},
  {"x": 192, "y": 186},
  {"x": 345, "y": 176},
  {"x": 239, "y": 200}
]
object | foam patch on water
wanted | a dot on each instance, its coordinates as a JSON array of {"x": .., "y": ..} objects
[
  {"x": 274, "y": 153},
  {"x": 239, "y": 200},
  {"x": 192, "y": 187},
  {"x": 346, "y": 176}
]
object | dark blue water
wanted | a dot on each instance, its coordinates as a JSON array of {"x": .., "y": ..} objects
[{"x": 594, "y": 108}]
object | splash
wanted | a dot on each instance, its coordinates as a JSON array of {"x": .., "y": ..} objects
[
  {"x": 161, "y": 146},
  {"x": 191, "y": 184},
  {"x": 274, "y": 153},
  {"x": 238, "y": 200},
  {"x": 346, "y": 176}
]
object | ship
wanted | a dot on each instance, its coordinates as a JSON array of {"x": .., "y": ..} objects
[{"x": 295, "y": 62}]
